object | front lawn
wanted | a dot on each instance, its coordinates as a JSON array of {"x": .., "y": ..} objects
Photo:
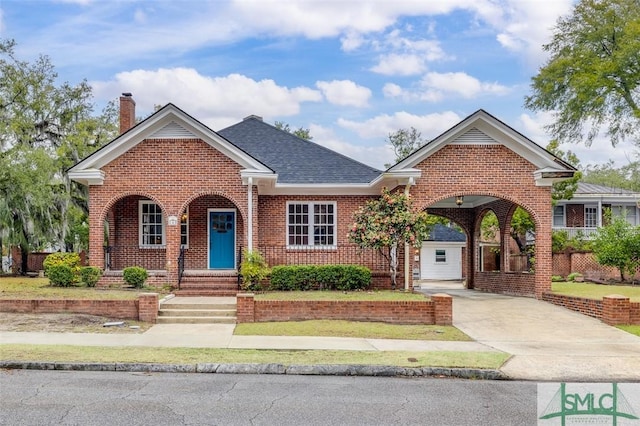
[
  {"x": 39, "y": 288},
  {"x": 595, "y": 291},
  {"x": 633, "y": 329},
  {"x": 386, "y": 295},
  {"x": 340, "y": 328}
]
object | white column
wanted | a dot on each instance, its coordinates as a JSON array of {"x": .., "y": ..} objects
[
  {"x": 599, "y": 218},
  {"x": 250, "y": 214}
]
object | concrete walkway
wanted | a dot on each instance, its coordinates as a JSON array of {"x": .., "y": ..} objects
[{"x": 547, "y": 342}]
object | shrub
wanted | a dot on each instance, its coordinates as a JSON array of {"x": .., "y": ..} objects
[
  {"x": 90, "y": 275},
  {"x": 253, "y": 269},
  {"x": 61, "y": 275},
  {"x": 575, "y": 276},
  {"x": 72, "y": 260},
  {"x": 319, "y": 277},
  {"x": 556, "y": 278},
  {"x": 135, "y": 276}
]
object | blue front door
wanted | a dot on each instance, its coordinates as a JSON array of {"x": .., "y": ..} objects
[{"x": 222, "y": 239}]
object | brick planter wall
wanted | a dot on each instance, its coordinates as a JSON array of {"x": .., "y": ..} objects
[
  {"x": 514, "y": 283},
  {"x": 612, "y": 310},
  {"x": 436, "y": 311},
  {"x": 142, "y": 309}
]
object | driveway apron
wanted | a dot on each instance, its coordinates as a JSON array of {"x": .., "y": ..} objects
[{"x": 547, "y": 342}]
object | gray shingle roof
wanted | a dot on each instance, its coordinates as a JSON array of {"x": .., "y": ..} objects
[
  {"x": 444, "y": 233},
  {"x": 295, "y": 160},
  {"x": 591, "y": 188}
]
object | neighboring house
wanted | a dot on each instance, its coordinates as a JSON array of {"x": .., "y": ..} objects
[
  {"x": 441, "y": 255},
  {"x": 584, "y": 213},
  {"x": 183, "y": 201}
]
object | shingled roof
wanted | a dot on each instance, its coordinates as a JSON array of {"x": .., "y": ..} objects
[
  {"x": 440, "y": 232},
  {"x": 295, "y": 160}
]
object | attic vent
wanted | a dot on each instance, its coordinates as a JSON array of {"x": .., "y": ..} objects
[
  {"x": 257, "y": 117},
  {"x": 173, "y": 131},
  {"x": 474, "y": 137}
]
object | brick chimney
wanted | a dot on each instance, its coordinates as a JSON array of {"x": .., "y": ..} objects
[{"x": 127, "y": 112}]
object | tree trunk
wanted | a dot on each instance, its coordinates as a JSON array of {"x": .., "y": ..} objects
[
  {"x": 24, "y": 259},
  {"x": 393, "y": 264}
]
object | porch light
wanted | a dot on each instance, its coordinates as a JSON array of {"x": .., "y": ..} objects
[
  {"x": 184, "y": 217},
  {"x": 459, "y": 200}
]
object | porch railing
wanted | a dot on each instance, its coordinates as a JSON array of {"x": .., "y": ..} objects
[
  {"x": 343, "y": 254},
  {"x": 586, "y": 233},
  {"x": 118, "y": 257},
  {"x": 181, "y": 265}
]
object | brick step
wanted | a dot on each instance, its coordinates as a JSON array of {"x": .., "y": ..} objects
[
  {"x": 196, "y": 320},
  {"x": 201, "y": 312},
  {"x": 224, "y": 279},
  {"x": 207, "y": 292}
]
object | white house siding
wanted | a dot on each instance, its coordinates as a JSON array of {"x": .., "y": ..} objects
[{"x": 451, "y": 269}]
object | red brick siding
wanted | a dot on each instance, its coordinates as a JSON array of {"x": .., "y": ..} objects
[
  {"x": 589, "y": 307},
  {"x": 171, "y": 172},
  {"x": 491, "y": 170},
  {"x": 409, "y": 312},
  {"x": 119, "y": 309},
  {"x": 574, "y": 215}
]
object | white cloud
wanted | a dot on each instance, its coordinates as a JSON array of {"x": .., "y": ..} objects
[
  {"x": 600, "y": 151},
  {"x": 344, "y": 93},
  {"x": 395, "y": 64},
  {"x": 434, "y": 87},
  {"x": 430, "y": 125},
  {"x": 139, "y": 16},
  {"x": 216, "y": 101}
]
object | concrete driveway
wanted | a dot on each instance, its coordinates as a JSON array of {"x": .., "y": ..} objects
[{"x": 547, "y": 342}]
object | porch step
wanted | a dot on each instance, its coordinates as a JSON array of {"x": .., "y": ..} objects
[
  {"x": 208, "y": 286},
  {"x": 198, "y": 310}
]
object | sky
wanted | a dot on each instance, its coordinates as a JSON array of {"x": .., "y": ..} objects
[{"x": 351, "y": 71}]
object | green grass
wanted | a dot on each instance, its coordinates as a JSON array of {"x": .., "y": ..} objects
[
  {"x": 39, "y": 288},
  {"x": 340, "y": 295},
  {"x": 337, "y": 328},
  {"x": 59, "y": 353},
  {"x": 633, "y": 329},
  {"x": 595, "y": 291}
]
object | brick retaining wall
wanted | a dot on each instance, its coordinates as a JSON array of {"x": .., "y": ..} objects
[
  {"x": 438, "y": 310},
  {"x": 613, "y": 309},
  {"x": 145, "y": 308}
]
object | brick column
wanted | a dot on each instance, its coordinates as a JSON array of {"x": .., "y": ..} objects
[
  {"x": 148, "y": 307},
  {"x": 443, "y": 309},
  {"x": 616, "y": 309},
  {"x": 245, "y": 308}
]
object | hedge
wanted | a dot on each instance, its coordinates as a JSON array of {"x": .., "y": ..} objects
[{"x": 319, "y": 277}]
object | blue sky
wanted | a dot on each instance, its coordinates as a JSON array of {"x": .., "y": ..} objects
[{"x": 350, "y": 71}]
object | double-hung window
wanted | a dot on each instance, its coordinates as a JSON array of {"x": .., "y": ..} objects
[
  {"x": 441, "y": 256},
  {"x": 311, "y": 224},
  {"x": 151, "y": 224},
  {"x": 558, "y": 216}
]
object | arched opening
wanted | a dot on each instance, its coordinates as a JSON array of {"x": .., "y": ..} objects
[
  {"x": 212, "y": 232},
  {"x": 489, "y": 250},
  {"x": 442, "y": 256},
  {"x": 135, "y": 234},
  {"x": 521, "y": 241}
]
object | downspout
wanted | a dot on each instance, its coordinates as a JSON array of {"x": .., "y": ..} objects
[
  {"x": 407, "y": 253},
  {"x": 250, "y": 213}
]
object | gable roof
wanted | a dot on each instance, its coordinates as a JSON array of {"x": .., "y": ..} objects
[
  {"x": 295, "y": 160},
  {"x": 168, "y": 122},
  {"x": 482, "y": 128}
]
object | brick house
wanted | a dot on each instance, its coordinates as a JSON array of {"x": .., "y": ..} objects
[{"x": 182, "y": 200}]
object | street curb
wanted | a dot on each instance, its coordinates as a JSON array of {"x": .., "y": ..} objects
[{"x": 295, "y": 369}]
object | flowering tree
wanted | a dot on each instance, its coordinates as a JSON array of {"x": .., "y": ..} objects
[{"x": 387, "y": 222}]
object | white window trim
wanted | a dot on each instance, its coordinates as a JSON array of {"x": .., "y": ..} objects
[
  {"x": 184, "y": 246},
  {"x": 140, "y": 225},
  {"x": 564, "y": 216},
  {"x": 435, "y": 257},
  {"x": 590, "y": 206},
  {"x": 312, "y": 246}
]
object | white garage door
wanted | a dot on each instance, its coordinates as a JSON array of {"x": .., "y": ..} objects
[{"x": 441, "y": 261}]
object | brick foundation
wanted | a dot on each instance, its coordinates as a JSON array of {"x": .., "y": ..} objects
[{"x": 438, "y": 311}]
